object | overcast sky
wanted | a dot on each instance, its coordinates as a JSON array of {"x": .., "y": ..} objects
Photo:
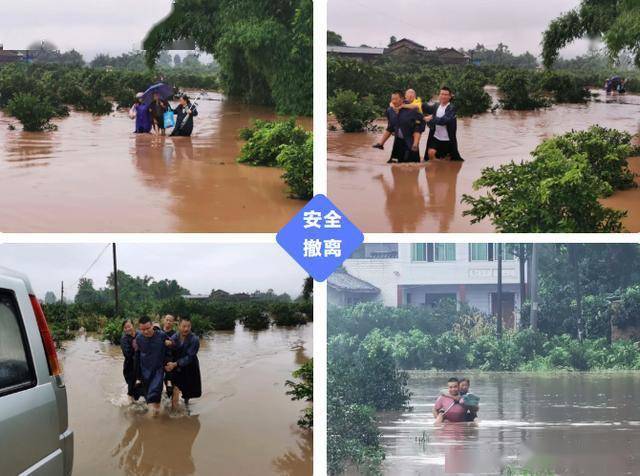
[
  {"x": 89, "y": 26},
  {"x": 197, "y": 267},
  {"x": 457, "y": 23}
]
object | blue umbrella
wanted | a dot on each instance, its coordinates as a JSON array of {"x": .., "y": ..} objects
[{"x": 164, "y": 90}]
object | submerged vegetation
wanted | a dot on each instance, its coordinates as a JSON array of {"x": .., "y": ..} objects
[
  {"x": 303, "y": 390},
  {"x": 95, "y": 90},
  {"x": 94, "y": 311},
  {"x": 371, "y": 346},
  {"x": 559, "y": 190},
  {"x": 281, "y": 144}
]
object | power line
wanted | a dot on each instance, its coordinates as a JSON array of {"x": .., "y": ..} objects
[{"x": 92, "y": 264}]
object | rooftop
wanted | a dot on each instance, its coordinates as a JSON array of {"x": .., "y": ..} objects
[
  {"x": 355, "y": 50},
  {"x": 343, "y": 281}
]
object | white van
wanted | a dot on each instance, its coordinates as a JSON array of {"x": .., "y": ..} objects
[{"x": 35, "y": 438}]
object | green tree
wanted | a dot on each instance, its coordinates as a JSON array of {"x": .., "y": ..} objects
[
  {"x": 264, "y": 48},
  {"x": 617, "y": 22},
  {"x": 50, "y": 297},
  {"x": 334, "y": 39}
]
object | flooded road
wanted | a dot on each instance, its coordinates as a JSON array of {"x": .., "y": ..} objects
[
  {"x": 243, "y": 423},
  {"x": 94, "y": 175},
  {"x": 406, "y": 198},
  {"x": 566, "y": 423}
]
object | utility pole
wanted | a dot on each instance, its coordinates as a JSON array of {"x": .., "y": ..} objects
[
  {"x": 115, "y": 280},
  {"x": 573, "y": 249},
  {"x": 61, "y": 292},
  {"x": 534, "y": 286},
  {"x": 499, "y": 303},
  {"x": 523, "y": 286}
]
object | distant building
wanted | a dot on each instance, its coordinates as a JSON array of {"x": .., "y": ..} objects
[
  {"x": 196, "y": 297},
  {"x": 357, "y": 52},
  {"x": 421, "y": 274},
  {"x": 10, "y": 56},
  {"x": 403, "y": 48}
]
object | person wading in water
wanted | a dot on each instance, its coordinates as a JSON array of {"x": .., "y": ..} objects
[
  {"x": 185, "y": 368},
  {"x": 185, "y": 112}
]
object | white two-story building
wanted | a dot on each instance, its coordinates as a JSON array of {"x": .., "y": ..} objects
[{"x": 421, "y": 274}]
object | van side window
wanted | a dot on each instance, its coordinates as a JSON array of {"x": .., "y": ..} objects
[{"x": 15, "y": 369}]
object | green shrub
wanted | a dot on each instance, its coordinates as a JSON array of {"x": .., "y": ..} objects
[
  {"x": 34, "y": 113},
  {"x": 353, "y": 113},
  {"x": 112, "y": 331},
  {"x": 552, "y": 193},
  {"x": 469, "y": 95},
  {"x": 200, "y": 325},
  {"x": 286, "y": 314},
  {"x": 450, "y": 351},
  {"x": 92, "y": 322},
  {"x": 627, "y": 312},
  {"x": 519, "y": 90},
  {"x": 59, "y": 333},
  {"x": 566, "y": 88},
  {"x": 303, "y": 390},
  {"x": 254, "y": 318},
  {"x": 606, "y": 150},
  {"x": 266, "y": 139},
  {"x": 297, "y": 162}
]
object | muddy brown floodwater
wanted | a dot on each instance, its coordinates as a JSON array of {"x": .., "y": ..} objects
[
  {"x": 406, "y": 198},
  {"x": 94, "y": 175},
  {"x": 563, "y": 423},
  {"x": 243, "y": 423}
]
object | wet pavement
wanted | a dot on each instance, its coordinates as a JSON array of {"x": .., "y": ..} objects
[
  {"x": 244, "y": 423},
  {"x": 565, "y": 423},
  {"x": 94, "y": 175},
  {"x": 405, "y": 198}
]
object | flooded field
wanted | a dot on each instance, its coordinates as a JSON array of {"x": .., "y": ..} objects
[
  {"x": 406, "y": 198},
  {"x": 243, "y": 423},
  {"x": 94, "y": 175},
  {"x": 573, "y": 423}
]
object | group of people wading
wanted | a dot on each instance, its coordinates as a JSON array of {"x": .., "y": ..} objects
[
  {"x": 150, "y": 117},
  {"x": 158, "y": 358},
  {"x": 408, "y": 118}
]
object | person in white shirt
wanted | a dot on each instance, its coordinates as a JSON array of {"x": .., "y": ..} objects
[{"x": 443, "y": 125}]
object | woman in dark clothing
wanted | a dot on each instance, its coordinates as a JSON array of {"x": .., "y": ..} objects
[
  {"x": 158, "y": 107},
  {"x": 140, "y": 112},
  {"x": 130, "y": 367},
  {"x": 185, "y": 113},
  {"x": 185, "y": 367}
]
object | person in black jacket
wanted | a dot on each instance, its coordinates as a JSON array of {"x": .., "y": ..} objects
[
  {"x": 407, "y": 125},
  {"x": 130, "y": 369},
  {"x": 185, "y": 112},
  {"x": 443, "y": 128}
]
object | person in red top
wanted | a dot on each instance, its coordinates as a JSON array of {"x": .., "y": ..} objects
[{"x": 448, "y": 407}]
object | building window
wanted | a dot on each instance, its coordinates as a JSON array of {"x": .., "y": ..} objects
[
  {"x": 419, "y": 252},
  {"x": 445, "y": 252},
  {"x": 480, "y": 252},
  {"x": 433, "y": 299},
  {"x": 508, "y": 251}
]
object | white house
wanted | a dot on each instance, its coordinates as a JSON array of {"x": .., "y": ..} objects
[{"x": 421, "y": 274}]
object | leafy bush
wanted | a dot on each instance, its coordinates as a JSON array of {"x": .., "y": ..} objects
[
  {"x": 112, "y": 331},
  {"x": 34, "y": 113},
  {"x": 286, "y": 314},
  {"x": 200, "y": 325},
  {"x": 606, "y": 150},
  {"x": 297, "y": 162},
  {"x": 92, "y": 322},
  {"x": 552, "y": 193},
  {"x": 253, "y": 317},
  {"x": 303, "y": 390},
  {"x": 353, "y": 113},
  {"x": 566, "y": 88},
  {"x": 469, "y": 95},
  {"x": 266, "y": 139},
  {"x": 59, "y": 333},
  {"x": 519, "y": 90},
  {"x": 627, "y": 313}
]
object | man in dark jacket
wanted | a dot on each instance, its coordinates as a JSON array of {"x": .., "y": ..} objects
[
  {"x": 407, "y": 125},
  {"x": 443, "y": 127}
]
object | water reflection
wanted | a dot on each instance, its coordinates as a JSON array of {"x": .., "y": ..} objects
[
  {"x": 552, "y": 422},
  {"x": 162, "y": 447},
  {"x": 244, "y": 423},
  {"x": 94, "y": 175},
  {"x": 378, "y": 198}
]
